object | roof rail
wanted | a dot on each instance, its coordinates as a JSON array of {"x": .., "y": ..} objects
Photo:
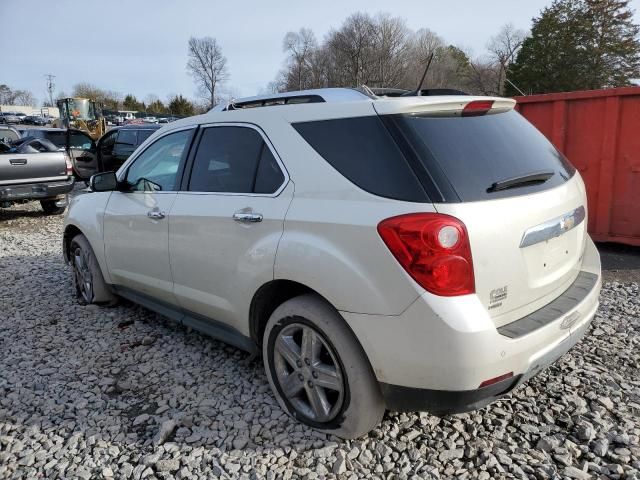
[{"x": 319, "y": 95}]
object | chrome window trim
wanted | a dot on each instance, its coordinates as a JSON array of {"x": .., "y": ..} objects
[
  {"x": 553, "y": 228},
  {"x": 267, "y": 141}
]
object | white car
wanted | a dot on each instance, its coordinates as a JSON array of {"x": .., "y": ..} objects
[
  {"x": 150, "y": 120},
  {"x": 414, "y": 253}
]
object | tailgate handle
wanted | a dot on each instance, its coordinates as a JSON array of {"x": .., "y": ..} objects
[
  {"x": 18, "y": 161},
  {"x": 553, "y": 228}
]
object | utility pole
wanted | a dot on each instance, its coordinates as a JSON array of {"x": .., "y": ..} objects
[{"x": 50, "y": 87}]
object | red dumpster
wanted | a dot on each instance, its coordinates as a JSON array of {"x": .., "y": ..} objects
[{"x": 599, "y": 131}]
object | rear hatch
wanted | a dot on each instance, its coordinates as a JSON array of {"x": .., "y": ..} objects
[{"x": 523, "y": 204}]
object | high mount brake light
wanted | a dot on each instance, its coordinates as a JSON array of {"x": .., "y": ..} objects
[
  {"x": 477, "y": 108},
  {"x": 434, "y": 249}
]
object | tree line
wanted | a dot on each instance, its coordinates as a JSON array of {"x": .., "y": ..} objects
[
  {"x": 573, "y": 45},
  {"x": 175, "y": 104}
]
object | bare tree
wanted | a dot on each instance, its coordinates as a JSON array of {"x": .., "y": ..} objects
[
  {"x": 300, "y": 46},
  {"x": 352, "y": 49},
  {"x": 24, "y": 98},
  {"x": 381, "y": 51},
  {"x": 422, "y": 45},
  {"x": 503, "y": 48},
  {"x": 391, "y": 46},
  {"x": 483, "y": 76},
  {"x": 208, "y": 66}
]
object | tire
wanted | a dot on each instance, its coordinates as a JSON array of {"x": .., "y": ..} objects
[
  {"x": 337, "y": 376},
  {"x": 50, "y": 208},
  {"x": 87, "y": 276}
]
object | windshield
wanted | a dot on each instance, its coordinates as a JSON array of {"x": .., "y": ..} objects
[
  {"x": 466, "y": 157},
  {"x": 80, "y": 109}
]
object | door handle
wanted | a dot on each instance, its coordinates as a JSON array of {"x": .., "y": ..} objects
[
  {"x": 247, "y": 217},
  {"x": 18, "y": 161},
  {"x": 155, "y": 214}
]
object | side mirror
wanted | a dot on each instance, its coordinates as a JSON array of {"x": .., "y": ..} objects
[{"x": 103, "y": 182}]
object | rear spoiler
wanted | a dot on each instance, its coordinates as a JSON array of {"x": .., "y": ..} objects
[{"x": 447, "y": 106}]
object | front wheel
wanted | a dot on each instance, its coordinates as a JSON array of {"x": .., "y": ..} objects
[
  {"x": 50, "y": 207},
  {"x": 318, "y": 370},
  {"x": 87, "y": 276}
]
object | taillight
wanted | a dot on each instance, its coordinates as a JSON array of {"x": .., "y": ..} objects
[
  {"x": 476, "y": 108},
  {"x": 69, "y": 168},
  {"x": 434, "y": 249}
]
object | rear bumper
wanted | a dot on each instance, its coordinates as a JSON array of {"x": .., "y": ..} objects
[
  {"x": 437, "y": 353},
  {"x": 27, "y": 191},
  {"x": 445, "y": 402}
]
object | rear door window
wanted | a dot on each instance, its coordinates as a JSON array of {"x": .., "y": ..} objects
[
  {"x": 363, "y": 151},
  {"x": 467, "y": 155},
  {"x": 234, "y": 160}
]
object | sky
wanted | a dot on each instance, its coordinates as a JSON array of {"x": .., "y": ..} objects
[{"x": 140, "y": 46}]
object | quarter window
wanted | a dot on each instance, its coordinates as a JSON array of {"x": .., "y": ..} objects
[
  {"x": 364, "y": 152},
  {"x": 234, "y": 160},
  {"x": 156, "y": 169}
]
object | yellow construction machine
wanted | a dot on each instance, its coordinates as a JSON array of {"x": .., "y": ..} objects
[{"x": 81, "y": 114}]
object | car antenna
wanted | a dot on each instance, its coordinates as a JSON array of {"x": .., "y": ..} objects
[{"x": 416, "y": 92}]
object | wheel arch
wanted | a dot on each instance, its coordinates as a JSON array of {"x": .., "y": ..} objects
[
  {"x": 273, "y": 294},
  {"x": 269, "y": 297},
  {"x": 70, "y": 231}
]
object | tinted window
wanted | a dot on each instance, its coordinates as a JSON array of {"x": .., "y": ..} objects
[
  {"x": 364, "y": 152},
  {"x": 470, "y": 154},
  {"x": 143, "y": 135},
  {"x": 59, "y": 139},
  {"x": 127, "y": 137},
  {"x": 227, "y": 161},
  {"x": 269, "y": 176},
  {"x": 156, "y": 168},
  {"x": 107, "y": 142}
]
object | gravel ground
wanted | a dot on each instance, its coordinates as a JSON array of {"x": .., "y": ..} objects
[{"x": 121, "y": 393}]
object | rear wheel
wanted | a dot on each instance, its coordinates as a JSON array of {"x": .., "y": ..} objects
[
  {"x": 87, "y": 276},
  {"x": 318, "y": 370},
  {"x": 50, "y": 207}
]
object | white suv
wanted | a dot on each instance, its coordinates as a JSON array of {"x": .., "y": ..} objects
[{"x": 413, "y": 253}]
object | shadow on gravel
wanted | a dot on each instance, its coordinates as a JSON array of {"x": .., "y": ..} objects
[{"x": 18, "y": 213}]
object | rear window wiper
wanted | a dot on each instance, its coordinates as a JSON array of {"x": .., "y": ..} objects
[{"x": 521, "y": 181}]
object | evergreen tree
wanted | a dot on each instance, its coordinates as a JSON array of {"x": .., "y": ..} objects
[
  {"x": 179, "y": 105},
  {"x": 578, "y": 45}
]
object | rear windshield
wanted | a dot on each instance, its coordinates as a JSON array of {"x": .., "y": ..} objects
[{"x": 467, "y": 156}]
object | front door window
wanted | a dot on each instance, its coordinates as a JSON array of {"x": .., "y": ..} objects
[{"x": 156, "y": 169}]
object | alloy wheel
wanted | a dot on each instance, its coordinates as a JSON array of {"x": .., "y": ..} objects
[
  {"x": 308, "y": 372},
  {"x": 82, "y": 275}
]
